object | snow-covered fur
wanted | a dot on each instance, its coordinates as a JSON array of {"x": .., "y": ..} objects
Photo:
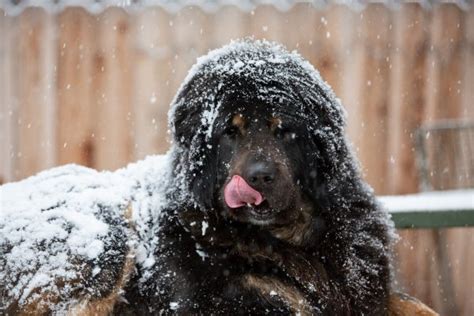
[
  {"x": 211, "y": 263},
  {"x": 328, "y": 253}
]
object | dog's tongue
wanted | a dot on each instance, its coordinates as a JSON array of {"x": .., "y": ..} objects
[{"x": 238, "y": 193}]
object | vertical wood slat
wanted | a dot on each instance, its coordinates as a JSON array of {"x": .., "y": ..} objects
[
  {"x": 462, "y": 251},
  {"x": 445, "y": 64},
  {"x": 328, "y": 42},
  {"x": 351, "y": 94},
  {"x": 236, "y": 25},
  {"x": 450, "y": 28},
  {"x": 408, "y": 67},
  {"x": 7, "y": 108},
  {"x": 75, "y": 117},
  {"x": 266, "y": 22},
  {"x": 461, "y": 257},
  {"x": 301, "y": 38},
  {"x": 408, "y": 64},
  {"x": 152, "y": 72},
  {"x": 113, "y": 94},
  {"x": 36, "y": 112},
  {"x": 468, "y": 76},
  {"x": 374, "y": 86},
  {"x": 447, "y": 103},
  {"x": 415, "y": 266},
  {"x": 189, "y": 41}
]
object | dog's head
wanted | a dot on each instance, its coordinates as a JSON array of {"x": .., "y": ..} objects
[{"x": 258, "y": 136}]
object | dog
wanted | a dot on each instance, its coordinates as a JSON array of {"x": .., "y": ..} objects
[{"x": 263, "y": 209}]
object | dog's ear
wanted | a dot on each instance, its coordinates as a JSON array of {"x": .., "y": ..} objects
[
  {"x": 185, "y": 120},
  {"x": 190, "y": 126},
  {"x": 331, "y": 166}
]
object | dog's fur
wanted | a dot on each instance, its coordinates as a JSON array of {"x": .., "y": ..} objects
[
  {"x": 324, "y": 248},
  {"x": 321, "y": 246}
]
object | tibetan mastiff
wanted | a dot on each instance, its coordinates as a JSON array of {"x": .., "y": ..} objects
[
  {"x": 270, "y": 214},
  {"x": 266, "y": 211}
]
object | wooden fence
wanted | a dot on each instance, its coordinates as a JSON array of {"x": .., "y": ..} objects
[{"x": 95, "y": 89}]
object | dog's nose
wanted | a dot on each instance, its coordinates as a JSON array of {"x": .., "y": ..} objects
[{"x": 260, "y": 173}]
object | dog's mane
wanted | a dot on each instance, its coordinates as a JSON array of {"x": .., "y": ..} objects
[{"x": 263, "y": 72}]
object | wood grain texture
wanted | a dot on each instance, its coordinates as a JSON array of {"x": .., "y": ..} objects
[
  {"x": 8, "y": 107},
  {"x": 113, "y": 70},
  {"x": 34, "y": 92},
  {"x": 74, "y": 89},
  {"x": 152, "y": 73}
]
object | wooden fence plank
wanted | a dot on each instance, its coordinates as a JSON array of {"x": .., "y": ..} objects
[
  {"x": 443, "y": 78},
  {"x": 352, "y": 64},
  {"x": 457, "y": 253},
  {"x": 75, "y": 64},
  {"x": 266, "y": 22},
  {"x": 460, "y": 254},
  {"x": 408, "y": 61},
  {"x": 35, "y": 55},
  {"x": 374, "y": 86},
  {"x": 408, "y": 68},
  {"x": 468, "y": 69},
  {"x": 301, "y": 37},
  {"x": 7, "y": 104},
  {"x": 190, "y": 27},
  {"x": 113, "y": 73},
  {"x": 445, "y": 63},
  {"x": 328, "y": 42},
  {"x": 152, "y": 75},
  {"x": 461, "y": 250},
  {"x": 235, "y": 22}
]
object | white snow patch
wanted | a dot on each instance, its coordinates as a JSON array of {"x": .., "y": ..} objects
[
  {"x": 204, "y": 227},
  {"x": 174, "y": 305},
  {"x": 202, "y": 254},
  {"x": 430, "y": 201}
]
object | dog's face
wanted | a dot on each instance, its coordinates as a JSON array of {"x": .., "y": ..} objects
[
  {"x": 259, "y": 167},
  {"x": 260, "y": 140}
]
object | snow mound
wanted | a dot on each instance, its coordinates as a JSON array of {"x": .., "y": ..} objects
[{"x": 55, "y": 224}]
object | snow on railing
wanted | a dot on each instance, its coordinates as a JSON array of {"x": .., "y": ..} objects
[{"x": 431, "y": 209}]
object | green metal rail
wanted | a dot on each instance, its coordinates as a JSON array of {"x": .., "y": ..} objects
[{"x": 420, "y": 219}]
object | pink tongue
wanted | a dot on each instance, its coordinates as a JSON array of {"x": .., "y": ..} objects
[{"x": 238, "y": 193}]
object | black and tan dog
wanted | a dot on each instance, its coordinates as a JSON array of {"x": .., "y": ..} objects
[{"x": 266, "y": 210}]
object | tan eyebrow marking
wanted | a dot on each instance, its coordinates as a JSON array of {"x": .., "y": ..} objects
[
  {"x": 239, "y": 122},
  {"x": 275, "y": 122}
]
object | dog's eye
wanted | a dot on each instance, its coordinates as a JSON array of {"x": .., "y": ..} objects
[
  {"x": 285, "y": 134},
  {"x": 231, "y": 132}
]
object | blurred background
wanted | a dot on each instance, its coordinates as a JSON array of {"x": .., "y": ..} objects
[{"x": 90, "y": 82}]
